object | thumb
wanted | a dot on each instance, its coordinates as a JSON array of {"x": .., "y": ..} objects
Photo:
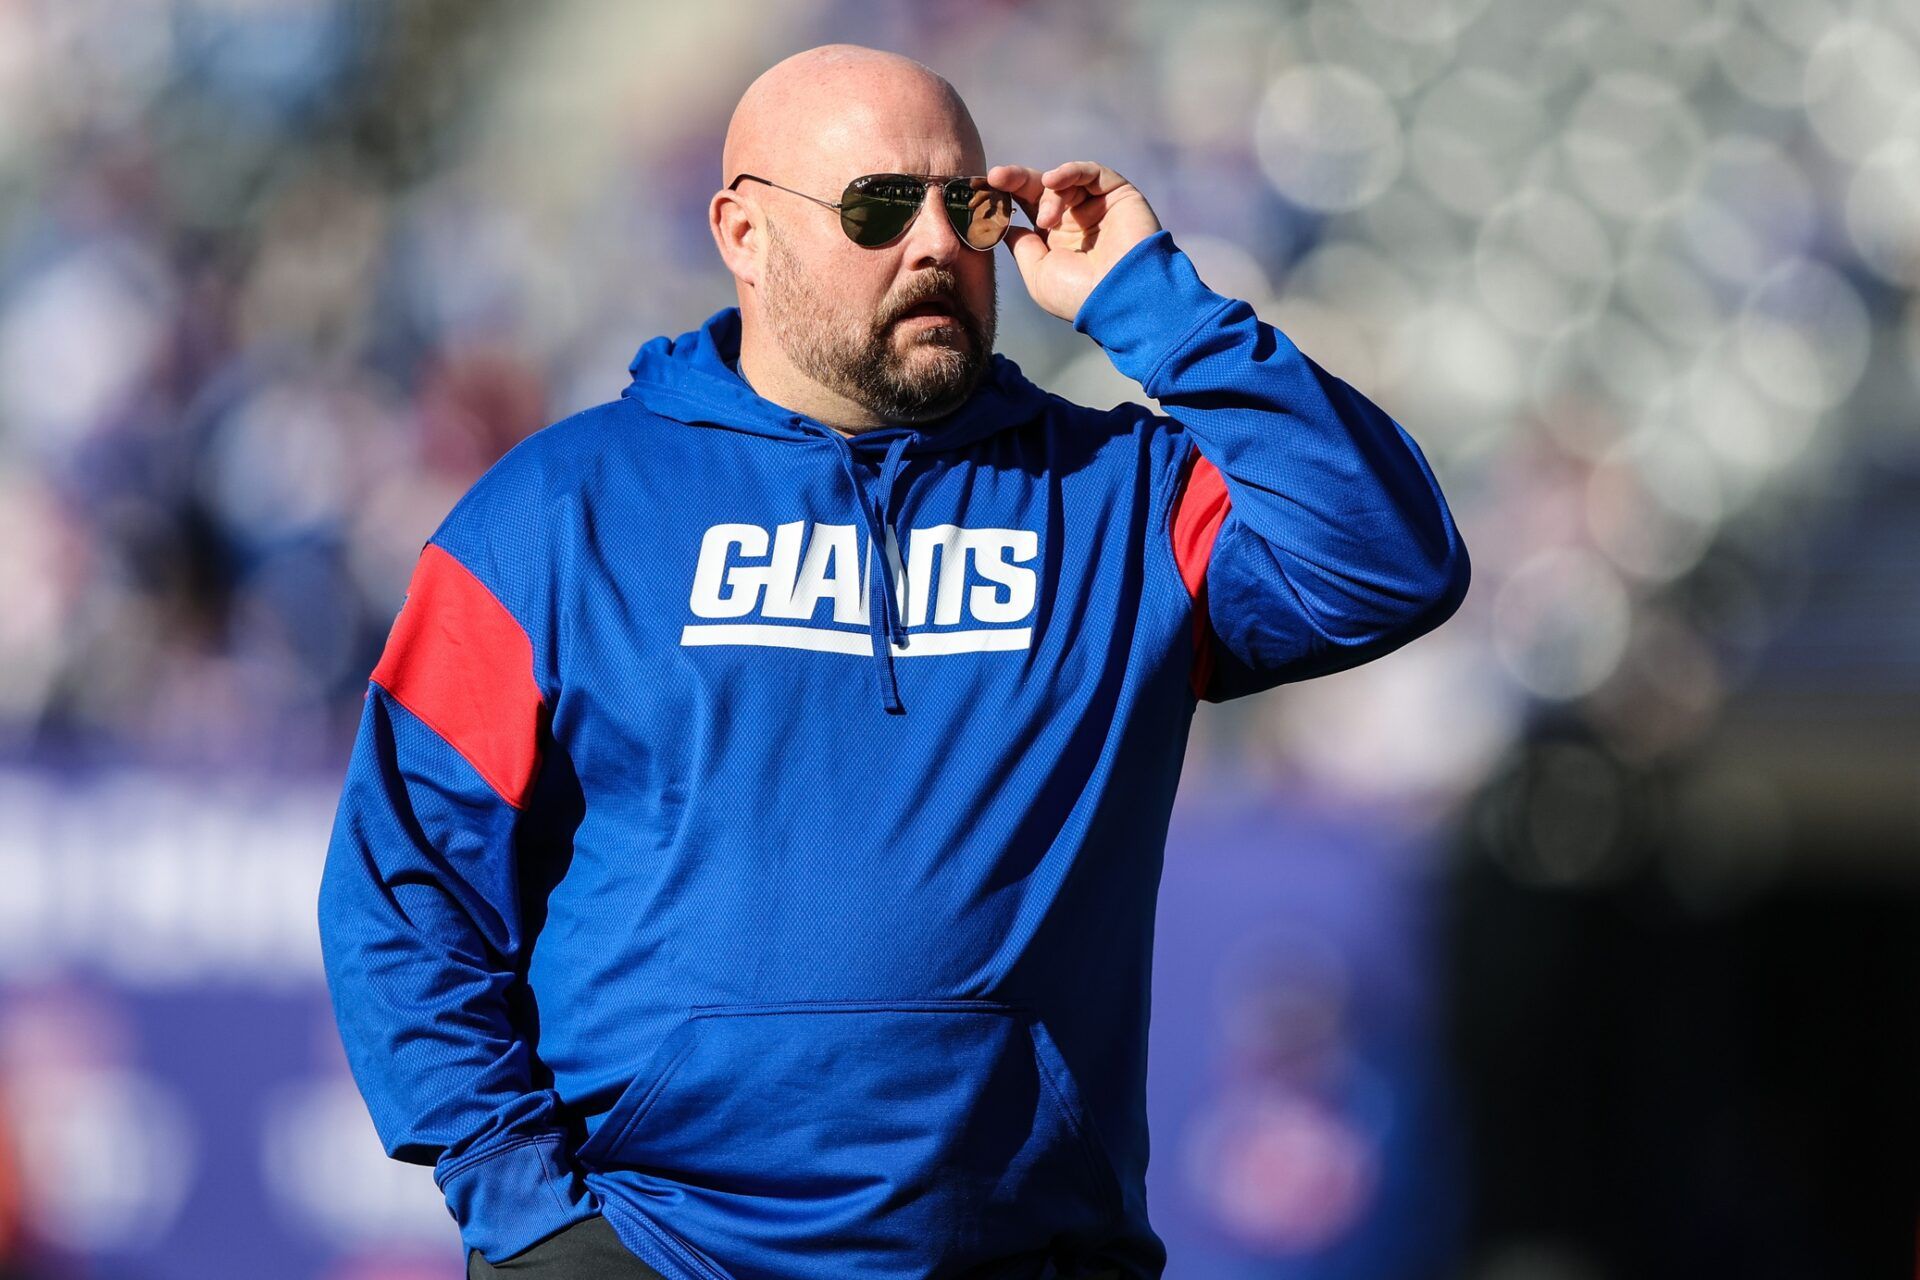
[{"x": 1029, "y": 249}]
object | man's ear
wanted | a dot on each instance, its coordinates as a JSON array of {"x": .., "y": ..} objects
[{"x": 736, "y": 231}]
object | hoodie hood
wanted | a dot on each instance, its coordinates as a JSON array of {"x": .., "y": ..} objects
[{"x": 694, "y": 379}]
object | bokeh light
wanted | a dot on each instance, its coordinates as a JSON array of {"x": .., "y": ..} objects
[{"x": 278, "y": 281}]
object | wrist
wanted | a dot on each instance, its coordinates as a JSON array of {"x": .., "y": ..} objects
[
  {"x": 515, "y": 1195},
  {"x": 1145, "y": 307}
]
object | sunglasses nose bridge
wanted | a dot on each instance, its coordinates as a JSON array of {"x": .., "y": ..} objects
[
  {"x": 934, "y": 193},
  {"x": 876, "y": 224}
]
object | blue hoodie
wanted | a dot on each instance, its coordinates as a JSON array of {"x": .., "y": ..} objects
[{"x": 798, "y": 917}]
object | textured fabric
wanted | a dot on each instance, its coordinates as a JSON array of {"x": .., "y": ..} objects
[
  {"x": 820, "y": 945},
  {"x": 1199, "y": 508},
  {"x": 460, "y": 663},
  {"x": 587, "y": 1250}
]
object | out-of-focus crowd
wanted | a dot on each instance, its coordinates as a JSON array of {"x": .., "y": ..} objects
[{"x": 278, "y": 280}]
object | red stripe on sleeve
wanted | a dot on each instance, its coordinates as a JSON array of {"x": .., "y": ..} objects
[
  {"x": 1197, "y": 513},
  {"x": 462, "y": 664},
  {"x": 1198, "y": 510}
]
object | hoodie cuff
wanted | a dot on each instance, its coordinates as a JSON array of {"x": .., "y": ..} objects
[
  {"x": 1146, "y": 307},
  {"x": 515, "y": 1196}
]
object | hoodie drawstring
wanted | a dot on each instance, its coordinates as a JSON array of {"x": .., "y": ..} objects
[
  {"x": 695, "y": 378},
  {"x": 883, "y": 606}
]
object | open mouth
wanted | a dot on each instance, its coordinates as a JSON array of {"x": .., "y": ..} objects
[{"x": 933, "y": 309}]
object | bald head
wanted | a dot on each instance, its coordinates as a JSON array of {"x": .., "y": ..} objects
[
  {"x": 810, "y": 117},
  {"x": 855, "y": 335}
]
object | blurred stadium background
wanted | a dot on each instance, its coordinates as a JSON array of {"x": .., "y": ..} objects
[{"x": 1577, "y": 941}]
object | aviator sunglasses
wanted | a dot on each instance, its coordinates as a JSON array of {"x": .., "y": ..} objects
[{"x": 877, "y": 208}]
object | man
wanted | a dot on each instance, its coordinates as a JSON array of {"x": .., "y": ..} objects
[{"x": 747, "y": 862}]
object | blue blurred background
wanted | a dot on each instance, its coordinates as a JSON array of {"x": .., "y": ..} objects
[{"x": 1576, "y": 941}]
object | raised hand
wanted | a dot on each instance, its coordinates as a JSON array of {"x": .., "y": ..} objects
[{"x": 1085, "y": 217}]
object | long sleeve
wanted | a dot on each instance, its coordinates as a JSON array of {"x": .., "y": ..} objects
[
  {"x": 422, "y": 930},
  {"x": 1308, "y": 528}
]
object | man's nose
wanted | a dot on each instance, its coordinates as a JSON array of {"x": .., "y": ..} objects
[{"x": 932, "y": 240}]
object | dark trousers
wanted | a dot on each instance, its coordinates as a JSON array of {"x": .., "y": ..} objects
[{"x": 587, "y": 1250}]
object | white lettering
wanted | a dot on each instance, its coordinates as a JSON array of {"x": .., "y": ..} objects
[
  {"x": 152, "y": 882},
  {"x": 826, "y": 572},
  {"x": 784, "y": 571},
  {"x": 992, "y": 550},
  {"x": 922, "y": 544},
  {"x": 808, "y": 564},
  {"x": 743, "y": 582}
]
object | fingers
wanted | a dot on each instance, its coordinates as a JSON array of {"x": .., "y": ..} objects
[
  {"x": 1073, "y": 185},
  {"x": 1028, "y": 249},
  {"x": 1083, "y": 173},
  {"x": 1022, "y": 182},
  {"x": 1045, "y": 197},
  {"x": 1077, "y": 210}
]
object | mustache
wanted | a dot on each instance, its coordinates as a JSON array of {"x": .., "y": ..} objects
[{"x": 933, "y": 286}]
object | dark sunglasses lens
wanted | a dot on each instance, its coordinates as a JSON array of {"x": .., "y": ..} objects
[
  {"x": 980, "y": 214},
  {"x": 876, "y": 208}
]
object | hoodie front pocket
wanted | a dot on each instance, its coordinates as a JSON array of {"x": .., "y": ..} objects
[{"x": 900, "y": 1132}]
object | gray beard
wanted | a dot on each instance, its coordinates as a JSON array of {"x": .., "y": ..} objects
[{"x": 868, "y": 368}]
